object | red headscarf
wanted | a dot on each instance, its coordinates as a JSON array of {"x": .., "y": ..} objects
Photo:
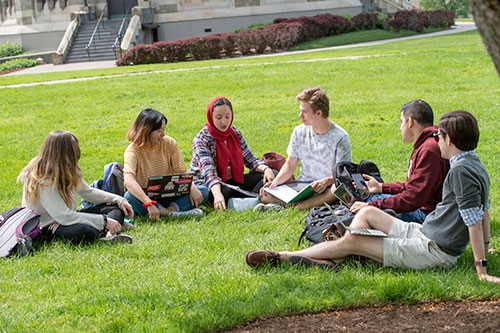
[{"x": 227, "y": 146}]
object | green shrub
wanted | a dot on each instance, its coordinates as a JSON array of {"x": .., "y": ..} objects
[
  {"x": 381, "y": 20},
  {"x": 10, "y": 49},
  {"x": 17, "y": 63}
]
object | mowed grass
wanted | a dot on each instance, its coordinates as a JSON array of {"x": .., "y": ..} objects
[{"x": 190, "y": 275}]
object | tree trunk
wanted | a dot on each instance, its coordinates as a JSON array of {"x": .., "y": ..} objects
[{"x": 486, "y": 14}]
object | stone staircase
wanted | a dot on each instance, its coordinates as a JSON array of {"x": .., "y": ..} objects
[{"x": 102, "y": 46}]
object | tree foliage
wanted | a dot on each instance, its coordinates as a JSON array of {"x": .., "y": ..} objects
[{"x": 459, "y": 7}]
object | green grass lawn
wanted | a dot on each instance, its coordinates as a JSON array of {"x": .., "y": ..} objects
[{"x": 190, "y": 275}]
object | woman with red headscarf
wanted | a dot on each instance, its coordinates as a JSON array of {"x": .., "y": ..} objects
[{"x": 220, "y": 155}]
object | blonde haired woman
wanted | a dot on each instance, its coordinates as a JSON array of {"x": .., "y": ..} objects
[{"x": 52, "y": 182}]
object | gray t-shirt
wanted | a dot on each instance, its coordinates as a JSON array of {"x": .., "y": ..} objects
[
  {"x": 466, "y": 185},
  {"x": 319, "y": 154}
]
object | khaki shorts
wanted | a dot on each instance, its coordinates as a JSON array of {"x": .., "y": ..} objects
[{"x": 406, "y": 246}]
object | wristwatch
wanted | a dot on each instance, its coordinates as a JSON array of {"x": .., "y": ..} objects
[{"x": 481, "y": 263}]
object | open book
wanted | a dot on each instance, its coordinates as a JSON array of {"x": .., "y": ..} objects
[{"x": 291, "y": 193}]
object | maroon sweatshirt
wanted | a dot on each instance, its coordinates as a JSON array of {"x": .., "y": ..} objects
[{"x": 426, "y": 172}]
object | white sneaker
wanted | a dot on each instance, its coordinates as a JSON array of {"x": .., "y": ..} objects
[
  {"x": 191, "y": 212},
  {"x": 270, "y": 206},
  {"x": 117, "y": 238},
  {"x": 127, "y": 225}
]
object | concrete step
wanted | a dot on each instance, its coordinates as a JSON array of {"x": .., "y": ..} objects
[{"x": 102, "y": 44}]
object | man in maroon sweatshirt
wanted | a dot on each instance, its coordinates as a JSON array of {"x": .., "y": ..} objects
[{"x": 416, "y": 197}]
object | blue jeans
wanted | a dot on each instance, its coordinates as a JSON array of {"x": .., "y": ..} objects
[
  {"x": 416, "y": 216},
  {"x": 181, "y": 203}
]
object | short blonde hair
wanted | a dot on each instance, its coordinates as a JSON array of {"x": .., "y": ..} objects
[{"x": 317, "y": 99}]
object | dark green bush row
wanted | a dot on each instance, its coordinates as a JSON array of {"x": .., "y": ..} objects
[
  {"x": 15, "y": 64},
  {"x": 10, "y": 50},
  {"x": 281, "y": 35}
]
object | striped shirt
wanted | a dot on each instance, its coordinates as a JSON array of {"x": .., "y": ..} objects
[{"x": 163, "y": 159}]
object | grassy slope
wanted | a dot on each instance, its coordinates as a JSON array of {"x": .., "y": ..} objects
[{"x": 190, "y": 275}]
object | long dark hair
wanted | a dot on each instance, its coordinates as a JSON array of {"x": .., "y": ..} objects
[{"x": 147, "y": 121}]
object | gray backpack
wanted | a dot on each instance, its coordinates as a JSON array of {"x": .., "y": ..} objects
[{"x": 18, "y": 227}]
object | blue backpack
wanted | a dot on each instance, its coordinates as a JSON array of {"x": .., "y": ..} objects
[{"x": 112, "y": 182}]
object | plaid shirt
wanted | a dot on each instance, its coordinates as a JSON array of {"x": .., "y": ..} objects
[{"x": 204, "y": 159}]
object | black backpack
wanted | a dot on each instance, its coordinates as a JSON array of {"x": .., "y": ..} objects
[
  {"x": 342, "y": 175},
  {"x": 320, "y": 219}
]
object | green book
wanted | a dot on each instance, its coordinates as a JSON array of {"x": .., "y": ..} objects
[{"x": 289, "y": 195}]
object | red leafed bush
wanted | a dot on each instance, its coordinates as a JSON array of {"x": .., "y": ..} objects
[
  {"x": 314, "y": 27},
  {"x": 282, "y": 35},
  {"x": 253, "y": 41},
  {"x": 339, "y": 25},
  {"x": 173, "y": 51},
  {"x": 139, "y": 54},
  {"x": 439, "y": 18},
  {"x": 418, "y": 20},
  {"x": 365, "y": 21},
  {"x": 207, "y": 47},
  {"x": 407, "y": 19},
  {"x": 228, "y": 44}
]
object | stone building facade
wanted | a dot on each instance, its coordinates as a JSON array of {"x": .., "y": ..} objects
[{"x": 39, "y": 25}]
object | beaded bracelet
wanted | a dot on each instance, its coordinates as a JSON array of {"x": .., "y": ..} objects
[{"x": 149, "y": 203}]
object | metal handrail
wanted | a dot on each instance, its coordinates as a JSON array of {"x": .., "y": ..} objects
[
  {"x": 96, "y": 29},
  {"x": 119, "y": 35}
]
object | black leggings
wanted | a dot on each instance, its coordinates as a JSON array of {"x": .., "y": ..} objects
[
  {"x": 83, "y": 233},
  {"x": 252, "y": 182}
]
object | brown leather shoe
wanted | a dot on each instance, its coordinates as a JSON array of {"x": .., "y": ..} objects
[{"x": 259, "y": 258}]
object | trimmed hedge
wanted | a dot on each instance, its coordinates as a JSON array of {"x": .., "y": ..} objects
[{"x": 282, "y": 35}]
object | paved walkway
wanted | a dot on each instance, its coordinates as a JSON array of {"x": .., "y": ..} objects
[{"x": 49, "y": 68}]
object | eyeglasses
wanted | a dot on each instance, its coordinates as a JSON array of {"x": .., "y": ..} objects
[{"x": 438, "y": 133}]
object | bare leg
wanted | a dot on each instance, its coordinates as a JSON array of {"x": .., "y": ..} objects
[
  {"x": 167, "y": 211},
  {"x": 367, "y": 246},
  {"x": 317, "y": 200},
  {"x": 269, "y": 198}
]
